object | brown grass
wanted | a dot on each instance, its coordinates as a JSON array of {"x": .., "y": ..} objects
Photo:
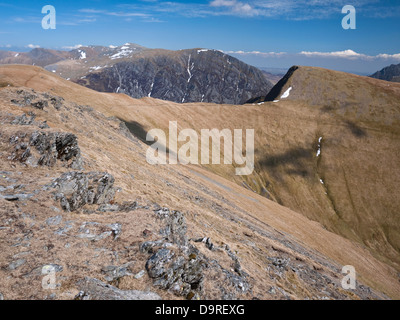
[{"x": 286, "y": 133}]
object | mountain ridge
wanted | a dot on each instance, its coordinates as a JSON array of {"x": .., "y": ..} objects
[
  {"x": 389, "y": 73},
  {"x": 189, "y": 75}
]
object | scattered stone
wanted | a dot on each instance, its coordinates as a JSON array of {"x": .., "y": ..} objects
[
  {"x": 113, "y": 273},
  {"x": 23, "y": 120},
  {"x": 148, "y": 246},
  {"x": 175, "y": 229},
  {"x": 140, "y": 274},
  {"x": 52, "y": 296},
  {"x": 116, "y": 230},
  {"x": 208, "y": 243},
  {"x": 10, "y": 198},
  {"x": 272, "y": 291},
  {"x": 93, "y": 289},
  {"x": 280, "y": 263},
  {"x": 63, "y": 230},
  {"x": 237, "y": 281},
  {"x": 54, "y": 221},
  {"x": 51, "y": 268},
  {"x": 16, "y": 264},
  {"x": 95, "y": 231},
  {"x": 146, "y": 233},
  {"x": 108, "y": 208},
  {"x": 162, "y": 213},
  {"x": 124, "y": 207}
]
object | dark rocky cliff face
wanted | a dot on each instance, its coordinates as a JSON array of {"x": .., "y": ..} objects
[
  {"x": 182, "y": 76},
  {"x": 390, "y": 73}
]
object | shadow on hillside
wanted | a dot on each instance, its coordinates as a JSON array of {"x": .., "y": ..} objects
[
  {"x": 292, "y": 158},
  {"x": 355, "y": 129},
  {"x": 138, "y": 131}
]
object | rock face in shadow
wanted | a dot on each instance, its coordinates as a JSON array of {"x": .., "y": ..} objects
[
  {"x": 182, "y": 76},
  {"x": 276, "y": 90},
  {"x": 390, "y": 73}
]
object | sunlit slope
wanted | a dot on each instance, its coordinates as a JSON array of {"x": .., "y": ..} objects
[{"x": 357, "y": 164}]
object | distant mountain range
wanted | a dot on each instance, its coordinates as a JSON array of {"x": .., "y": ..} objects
[
  {"x": 273, "y": 75},
  {"x": 193, "y": 75},
  {"x": 390, "y": 73}
]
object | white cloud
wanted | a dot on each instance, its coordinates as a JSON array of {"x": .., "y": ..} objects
[
  {"x": 345, "y": 54},
  {"x": 77, "y": 46},
  {"x": 236, "y": 7},
  {"x": 389, "y": 56},
  {"x": 277, "y": 9},
  {"x": 257, "y": 53},
  {"x": 349, "y": 54},
  {"x": 32, "y": 46}
]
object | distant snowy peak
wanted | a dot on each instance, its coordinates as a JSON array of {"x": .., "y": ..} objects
[
  {"x": 202, "y": 50},
  {"x": 125, "y": 51}
]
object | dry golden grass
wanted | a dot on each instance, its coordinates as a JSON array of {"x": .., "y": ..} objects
[{"x": 283, "y": 130}]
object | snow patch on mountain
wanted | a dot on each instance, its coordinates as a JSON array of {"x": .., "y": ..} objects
[
  {"x": 286, "y": 93},
  {"x": 83, "y": 54}
]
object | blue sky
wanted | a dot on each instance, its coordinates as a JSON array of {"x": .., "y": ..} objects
[{"x": 264, "y": 33}]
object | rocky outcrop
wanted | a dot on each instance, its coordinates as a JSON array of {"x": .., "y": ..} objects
[
  {"x": 41, "y": 148},
  {"x": 30, "y": 98},
  {"x": 173, "y": 264},
  {"x": 76, "y": 189},
  {"x": 176, "y": 265},
  {"x": 28, "y": 120}
]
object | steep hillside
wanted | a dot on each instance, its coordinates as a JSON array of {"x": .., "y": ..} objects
[
  {"x": 181, "y": 76},
  {"x": 327, "y": 146},
  {"x": 78, "y": 196},
  {"x": 390, "y": 73},
  {"x": 330, "y": 149}
]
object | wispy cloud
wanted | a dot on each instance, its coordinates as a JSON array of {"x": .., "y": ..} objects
[
  {"x": 235, "y": 7},
  {"x": 32, "y": 46},
  {"x": 345, "y": 54},
  {"x": 350, "y": 54},
  {"x": 77, "y": 46},
  {"x": 115, "y": 13},
  {"x": 278, "y": 9},
  {"x": 258, "y": 53}
]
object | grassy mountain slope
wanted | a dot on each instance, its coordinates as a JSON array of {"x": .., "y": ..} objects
[{"x": 256, "y": 228}]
